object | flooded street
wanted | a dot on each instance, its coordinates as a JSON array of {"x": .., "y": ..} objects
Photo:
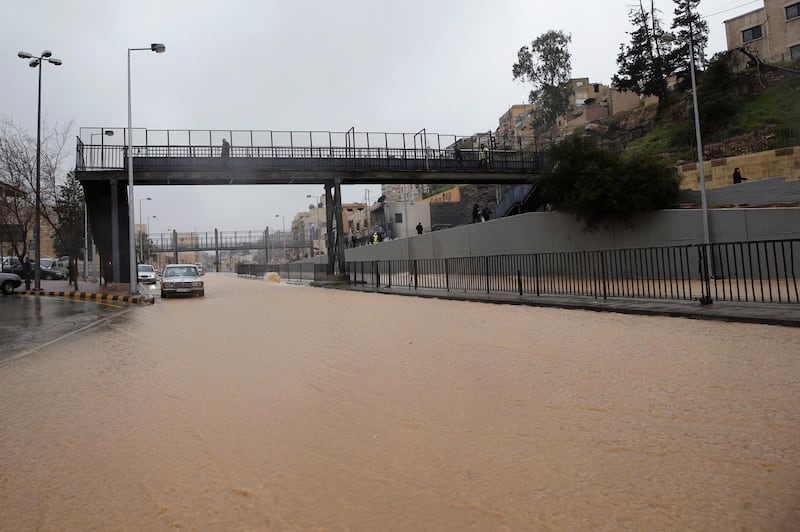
[{"x": 278, "y": 407}]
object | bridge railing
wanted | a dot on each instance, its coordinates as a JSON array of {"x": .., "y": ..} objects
[
  {"x": 755, "y": 271},
  {"x": 393, "y": 150},
  {"x": 224, "y": 240}
]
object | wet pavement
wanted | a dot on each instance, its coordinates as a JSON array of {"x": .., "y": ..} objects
[
  {"x": 267, "y": 406},
  {"x": 28, "y": 322}
]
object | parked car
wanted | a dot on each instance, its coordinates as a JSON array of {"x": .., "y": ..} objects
[
  {"x": 9, "y": 281},
  {"x": 146, "y": 274},
  {"x": 181, "y": 279},
  {"x": 200, "y": 268}
]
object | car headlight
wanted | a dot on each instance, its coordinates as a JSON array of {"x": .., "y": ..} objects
[
  {"x": 167, "y": 284},
  {"x": 197, "y": 283}
]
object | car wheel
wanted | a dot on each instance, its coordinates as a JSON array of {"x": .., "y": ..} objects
[
  {"x": 202, "y": 293},
  {"x": 163, "y": 295},
  {"x": 7, "y": 287}
]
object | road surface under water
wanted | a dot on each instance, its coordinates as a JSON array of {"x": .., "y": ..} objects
[{"x": 275, "y": 407}]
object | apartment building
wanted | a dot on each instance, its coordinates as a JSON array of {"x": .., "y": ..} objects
[{"x": 772, "y": 32}]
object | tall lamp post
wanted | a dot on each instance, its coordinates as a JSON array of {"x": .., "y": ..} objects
[
  {"x": 141, "y": 236},
  {"x": 36, "y": 62},
  {"x": 159, "y": 49},
  {"x": 148, "y": 239},
  {"x": 283, "y": 219},
  {"x": 706, "y": 299}
]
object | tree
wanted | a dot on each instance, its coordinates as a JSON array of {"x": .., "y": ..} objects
[
  {"x": 18, "y": 180},
  {"x": 690, "y": 30},
  {"x": 598, "y": 186},
  {"x": 547, "y": 65},
  {"x": 69, "y": 227},
  {"x": 643, "y": 64}
]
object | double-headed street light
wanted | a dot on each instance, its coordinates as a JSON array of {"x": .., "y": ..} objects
[
  {"x": 36, "y": 62},
  {"x": 159, "y": 49}
]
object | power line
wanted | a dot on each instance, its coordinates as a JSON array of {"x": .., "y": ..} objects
[{"x": 729, "y": 9}]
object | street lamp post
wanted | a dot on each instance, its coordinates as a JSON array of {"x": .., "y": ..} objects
[
  {"x": 706, "y": 299},
  {"x": 141, "y": 236},
  {"x": 283, "y": 220},
  {"x": 36, "y": 62},
  {"x": 159, "y": 49},
  {"x": 148, "y": 239}
]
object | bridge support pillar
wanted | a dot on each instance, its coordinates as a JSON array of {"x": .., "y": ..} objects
[
  {"x": 335, "y": 233},
  {"x": 106, "y": 205}
]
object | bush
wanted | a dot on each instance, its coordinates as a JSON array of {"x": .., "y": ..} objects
[{"x": 598, "y": 186}]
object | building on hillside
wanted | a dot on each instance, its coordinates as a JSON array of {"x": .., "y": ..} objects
[
  {"x": 589, "y": 102},
  {"x": 772, "y": 32}
]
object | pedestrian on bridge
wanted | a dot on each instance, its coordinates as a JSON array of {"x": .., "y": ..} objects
[
  {"x": 419, "y": 228},
  {"x": 226, "y": 149},
  {"x": 483, "y": 156}
]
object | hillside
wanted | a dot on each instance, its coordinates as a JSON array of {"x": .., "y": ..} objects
[{"x": 741, "y": 114}]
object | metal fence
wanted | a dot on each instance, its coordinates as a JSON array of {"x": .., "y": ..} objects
[
  {"x": 756, "y": 271},
  {"x": 293, "y": 271}
]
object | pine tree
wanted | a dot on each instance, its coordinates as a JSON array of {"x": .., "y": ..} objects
[
  {"x": 69, "y": 227},
  {"x": 690, "y": 30},
  {"x": 643, "y": 65}
]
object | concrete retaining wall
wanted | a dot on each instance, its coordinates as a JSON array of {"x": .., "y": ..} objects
[{"x": 552, "y": 231}]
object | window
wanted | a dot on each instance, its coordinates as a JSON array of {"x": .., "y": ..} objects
[
  {"x": 752, "y": 34},
  {"x": 794, "y": 52},
  {"x": 792, "y": 11},
  {"x": 398, "y": 217}
]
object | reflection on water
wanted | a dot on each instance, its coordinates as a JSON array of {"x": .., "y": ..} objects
[{"x": 266, "y": 406}]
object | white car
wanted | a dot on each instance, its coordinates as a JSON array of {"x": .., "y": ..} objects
[
  {"x": 9, "y": 281},
  {"x": 146, "y": 274},
  {"x": 181, "y": 279}
]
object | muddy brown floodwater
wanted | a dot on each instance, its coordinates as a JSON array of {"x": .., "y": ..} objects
[{"x": 275, "y": 407}]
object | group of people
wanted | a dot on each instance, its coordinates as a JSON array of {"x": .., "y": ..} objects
[{"x": 480, "y": 215}]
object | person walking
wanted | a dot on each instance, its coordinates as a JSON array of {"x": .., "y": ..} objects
[
  {"x": 26, "y": 272},
  {"x": 419, "y": 228},
  {"x": 737, "y": 177},
  {"x": 226, "y": 149},
  {"x": 486, "y": 213},
  {"x": 483, "y": 156},
  {"x": 476, "y": 213}
]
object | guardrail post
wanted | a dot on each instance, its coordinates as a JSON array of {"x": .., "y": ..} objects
[
  {"x": 536, "y": 274},
  {"x": 446, "y": 275},
  {"x": 416, "y": 284},
  {"x": 377, "y": 273},
  {"x": 519, "y": 281},
  {"x": 389, "y": 273},
  {"x": 705, "y": 274},
  {"x": 486, "y": 263},
  {"x": 603, "y": 270}
]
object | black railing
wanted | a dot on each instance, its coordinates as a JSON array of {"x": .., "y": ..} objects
[
  {"x": 293, "y": 271},
  {"x": 290, "y": 149},
  {"x": 763, "y": 271}
]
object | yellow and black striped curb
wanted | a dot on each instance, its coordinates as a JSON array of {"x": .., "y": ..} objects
[{"x": 137, "y": 299}]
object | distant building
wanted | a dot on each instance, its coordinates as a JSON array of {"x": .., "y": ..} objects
[{"x": 772, "y": 32}]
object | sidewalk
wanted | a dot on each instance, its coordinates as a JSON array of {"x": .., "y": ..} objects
[
  {"x": 785, "y": 314},
  {"x": 89, "y": 291}
]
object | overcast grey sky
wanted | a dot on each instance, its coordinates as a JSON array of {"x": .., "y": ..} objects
[{"x": 319, "y": 65}]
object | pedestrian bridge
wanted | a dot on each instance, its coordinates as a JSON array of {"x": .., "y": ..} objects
[
  {"x": 181, "y": 157},
  {"x": 259, "y": 157}
]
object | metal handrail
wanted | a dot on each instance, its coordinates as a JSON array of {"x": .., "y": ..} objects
[{"x": 754, "y": 271}]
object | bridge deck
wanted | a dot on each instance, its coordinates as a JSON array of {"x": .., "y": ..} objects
[{"x": 165, "y": 164}]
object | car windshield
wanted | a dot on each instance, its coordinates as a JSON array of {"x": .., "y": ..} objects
[
  {"x": 181, "y": 271},
  {"x": 46, "y": 263},
  {"x": 145, "y": 268}
]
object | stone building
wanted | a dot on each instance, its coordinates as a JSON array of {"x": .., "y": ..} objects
[{"x": 772, "y": 32}]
